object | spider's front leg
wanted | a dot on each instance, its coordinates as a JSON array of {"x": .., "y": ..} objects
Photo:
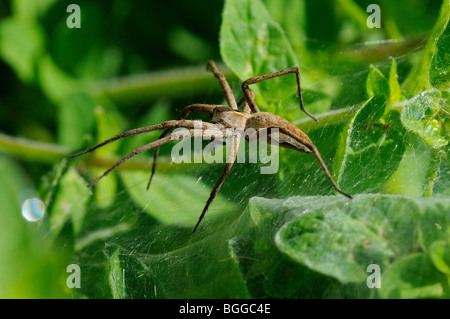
[
  {"x": 158, "y": 143},
  {"x": 229, "y": 96},
  {"x": 164, "y": 125},
  {"x": 150, "y": 128},
  {"x": 205, "y": 108},
  {"x": 231, "y": 158}
]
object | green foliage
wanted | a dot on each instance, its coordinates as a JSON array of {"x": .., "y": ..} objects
[
  {"x": 369, "y": 146},
  {"x": 253, "y": 44},
  {"x": 383, "y": 131},
  {"x": 116, "y": 275},
  {"x": 421, "y": 116}
]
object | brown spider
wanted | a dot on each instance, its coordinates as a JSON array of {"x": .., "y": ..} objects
[{"x": 227, "y": 117}]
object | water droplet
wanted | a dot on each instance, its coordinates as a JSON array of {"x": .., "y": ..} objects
[{"x": 33, "y": 209}]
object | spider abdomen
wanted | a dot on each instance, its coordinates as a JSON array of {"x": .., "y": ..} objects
[{"x": 289, "y": 135}]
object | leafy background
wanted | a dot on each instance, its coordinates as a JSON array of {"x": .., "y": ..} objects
[{"x": 383, "y": 130}]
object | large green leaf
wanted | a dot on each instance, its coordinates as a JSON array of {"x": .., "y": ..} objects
[
  {"x": 421, "y": 115},
  {"x": 435, "y": 224},
  {"x": 370, "y": 149},
  {"x": 116, "y": 275},
  {"x": 332, "y": 237},
  {"x": 416, "y": 173},
  {"x": 376, "y": 83},
  {"x": 21, "y": 44},
  {"x": 432, "y": 68},
  {"x": 174, "y": 199},
  {"x": 413, "y": 276},
  {"x": 70, "y": 203},
  {"x": 253, "y": 44},
  {"x": 440, "y": 256},
  {"x": 342, "y": 241}
]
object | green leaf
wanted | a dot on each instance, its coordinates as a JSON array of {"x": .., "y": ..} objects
[
  {"x": 31, "y": 9},
  {"x": 376, "y": 83},
  {"x": 189, "y": 266},
  {"x": 116, "y": 275},
  {"x": 56, "y": 84},
  {"x": 413, "y": 276},
  {"x": 76, "y": 119},
  {"x": 309, "y": 240},
  {"x": 174, "y": 199},
  {"x": 440, "y": 256},
  {"x": 69, "y": 203},
  {"x": 253, "y": 44},
  {"x": 440, "y": 65},
  {"x": 270, "y": 274},
  {"x": 292, "y": 16},
  {"x": 420, "y": 115},
  {"x": 21, "y": 43},
  {"x": 394, "y": 86},
  {"x": 441, "y": 186},
  {"x": 370, "y": 149},
  {"x": 416, "y": 173},
  {"x": 109, "y": 123},
  {"x": 435, "y": 224},
  {"x": 432, "y": 68},
  {"x": 270, "y": 214},
  {"x": 342, "y": 240},
  {"x": 159, "y": 112},
  {"x": 300, "y": 173},
  {"x": 236, "y": 256},
  {"x": 355, "y": 13}
]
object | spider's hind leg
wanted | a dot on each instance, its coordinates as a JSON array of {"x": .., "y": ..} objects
[
  {"x": 251, "y": 100},
  {"x": 316, "y": 153}
]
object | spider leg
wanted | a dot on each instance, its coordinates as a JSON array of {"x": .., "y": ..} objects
[
  {"x": 246, "y": 108},
  {"x": 251, "y": 100},
  {"x": 304, "y": 140},
  {"x": 231, "y": 158},
  {"x": 163, "y": 125},
  {"x": 239, "y": 103},
  {"x": 190, "y": 108},
  {"x": 157, "y": 143},
  {"x": 327, "y": 172},
  {"x": 225, "y": 86}
]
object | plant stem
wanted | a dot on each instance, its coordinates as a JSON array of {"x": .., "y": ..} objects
[
  {"x": 32, "y": 150},
  {"x": 180, "y": 82},
  {"x": 46, "y": 153}
]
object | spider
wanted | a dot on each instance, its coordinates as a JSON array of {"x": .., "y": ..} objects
[{"x": 227, "y": 117}]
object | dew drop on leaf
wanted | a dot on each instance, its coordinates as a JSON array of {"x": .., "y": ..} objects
[{"x": 33, "y": 209}]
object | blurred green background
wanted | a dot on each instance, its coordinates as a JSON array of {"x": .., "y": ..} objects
[{"x": 141, "y": 62}]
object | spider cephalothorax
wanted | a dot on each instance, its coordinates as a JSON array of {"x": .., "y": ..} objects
[{"x": 224, "y": 118}]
